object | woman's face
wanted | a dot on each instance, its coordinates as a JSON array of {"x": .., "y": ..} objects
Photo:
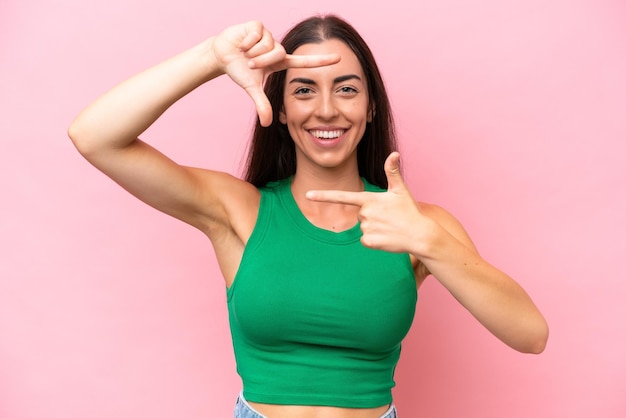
[{"x": 326, "y": 109}]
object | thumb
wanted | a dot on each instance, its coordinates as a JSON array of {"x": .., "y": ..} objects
[
  {"x": 262, "y": 104},
  {"x": 392, "y": 171}
]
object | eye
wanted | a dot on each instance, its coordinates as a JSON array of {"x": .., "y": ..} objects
[
  {"x": 347, "y": 90},
  {"x": 303, "y": 91}
]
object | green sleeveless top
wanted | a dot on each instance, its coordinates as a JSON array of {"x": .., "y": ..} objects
[{"x": 316, "y": 318}]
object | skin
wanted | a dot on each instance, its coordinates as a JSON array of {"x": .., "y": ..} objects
[
  {"x": 325, "y": 91},
  {"x": 329, "y": 99}
]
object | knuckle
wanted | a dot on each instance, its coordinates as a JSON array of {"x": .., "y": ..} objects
[
  {"x": 366, "y": 212},
  {"x": 368, "y": 241},
  {"x": 280, "y": 48},
  {"x": 266, "y": 44}
]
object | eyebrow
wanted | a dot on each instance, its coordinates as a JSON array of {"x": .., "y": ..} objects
[{"x": 339, "y": 79}]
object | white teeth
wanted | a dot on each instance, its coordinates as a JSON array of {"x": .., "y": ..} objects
[{"x": 327, "y": 134}]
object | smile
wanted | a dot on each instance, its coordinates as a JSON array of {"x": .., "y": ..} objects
[{"x": 327, "y": 134}]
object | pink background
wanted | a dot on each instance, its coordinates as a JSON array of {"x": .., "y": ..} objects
[{"x": 512, "y": 115}]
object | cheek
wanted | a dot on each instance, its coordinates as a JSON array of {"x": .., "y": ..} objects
[
  {"x": 296, "y": 110},
  {"x": 357, "y": 112}
]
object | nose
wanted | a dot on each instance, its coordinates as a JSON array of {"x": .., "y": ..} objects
[{"x": 327, "y": 108}]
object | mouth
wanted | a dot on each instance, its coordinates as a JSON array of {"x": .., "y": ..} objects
[{"x": 327, "y": 135}]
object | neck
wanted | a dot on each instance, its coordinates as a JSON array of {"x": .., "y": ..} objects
[
  {"x": 331, "y": 216},
  {"x": 315, "y": 178}
]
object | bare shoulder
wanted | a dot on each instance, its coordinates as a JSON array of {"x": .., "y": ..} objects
[
  {"x": 436, "y": 212},
  {"x": 231, "y": 221},
  {"x": 227, "y": 188},
  {"x": 233, "y": 202},
  {"x": 447, "y": 221},
  {"x": 450, "y": 224}
]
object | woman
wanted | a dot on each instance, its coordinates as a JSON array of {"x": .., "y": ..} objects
[{"x": 322, "y": 248}]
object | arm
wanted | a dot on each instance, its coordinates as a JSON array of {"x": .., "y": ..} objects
[
  {"x": 394, "y": 221},
  {"x": 492, "y": 297},
  {"x": 106, "y": 132}
]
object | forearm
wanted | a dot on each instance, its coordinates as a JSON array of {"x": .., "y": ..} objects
[
  {"x": 118, "y": 117},
  {"x": 393, "y": 221},
  {"x": 495, "y": 299}
]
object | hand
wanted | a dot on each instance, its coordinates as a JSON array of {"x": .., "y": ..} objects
[
  {"x": 248, "y": 53},
  {"x": 390, "y": 221}
]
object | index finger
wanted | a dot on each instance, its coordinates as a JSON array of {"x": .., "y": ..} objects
[
  {"x": 308, "y": 61},
  {"x": 272, "y": 61},
  {"x": 338, "y": 196}
]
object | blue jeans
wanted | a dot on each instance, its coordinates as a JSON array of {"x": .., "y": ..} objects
[{"x": 244, "y": 410}]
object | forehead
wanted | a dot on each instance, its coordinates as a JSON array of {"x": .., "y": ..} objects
[{"x": 349, "y": 63}]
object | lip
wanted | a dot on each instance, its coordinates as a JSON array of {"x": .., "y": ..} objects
[{"x": 330, "y": 142}]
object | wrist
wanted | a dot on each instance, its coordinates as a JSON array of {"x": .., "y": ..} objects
[
  {"x": 427, "y": 239},
  {"x": 211, "y": 65}
]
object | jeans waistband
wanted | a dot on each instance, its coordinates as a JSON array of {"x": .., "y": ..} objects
[{"x": 244, "y": 410}]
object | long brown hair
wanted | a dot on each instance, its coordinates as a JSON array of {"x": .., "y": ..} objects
[{"x": 271, "y": 155}]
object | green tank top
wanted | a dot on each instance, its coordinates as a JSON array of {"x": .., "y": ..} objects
[{"x": 316, "y": 318}]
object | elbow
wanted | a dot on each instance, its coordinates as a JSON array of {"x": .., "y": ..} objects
[
  {"x": 529, "y": 337},
  {"x": 79, "y": 137},
  {"x": 73, "y": 132},
  {"x": 538, "y": 346},
  {"x": 541, "y": 342},
  {"x": 537, "y": 341}
]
